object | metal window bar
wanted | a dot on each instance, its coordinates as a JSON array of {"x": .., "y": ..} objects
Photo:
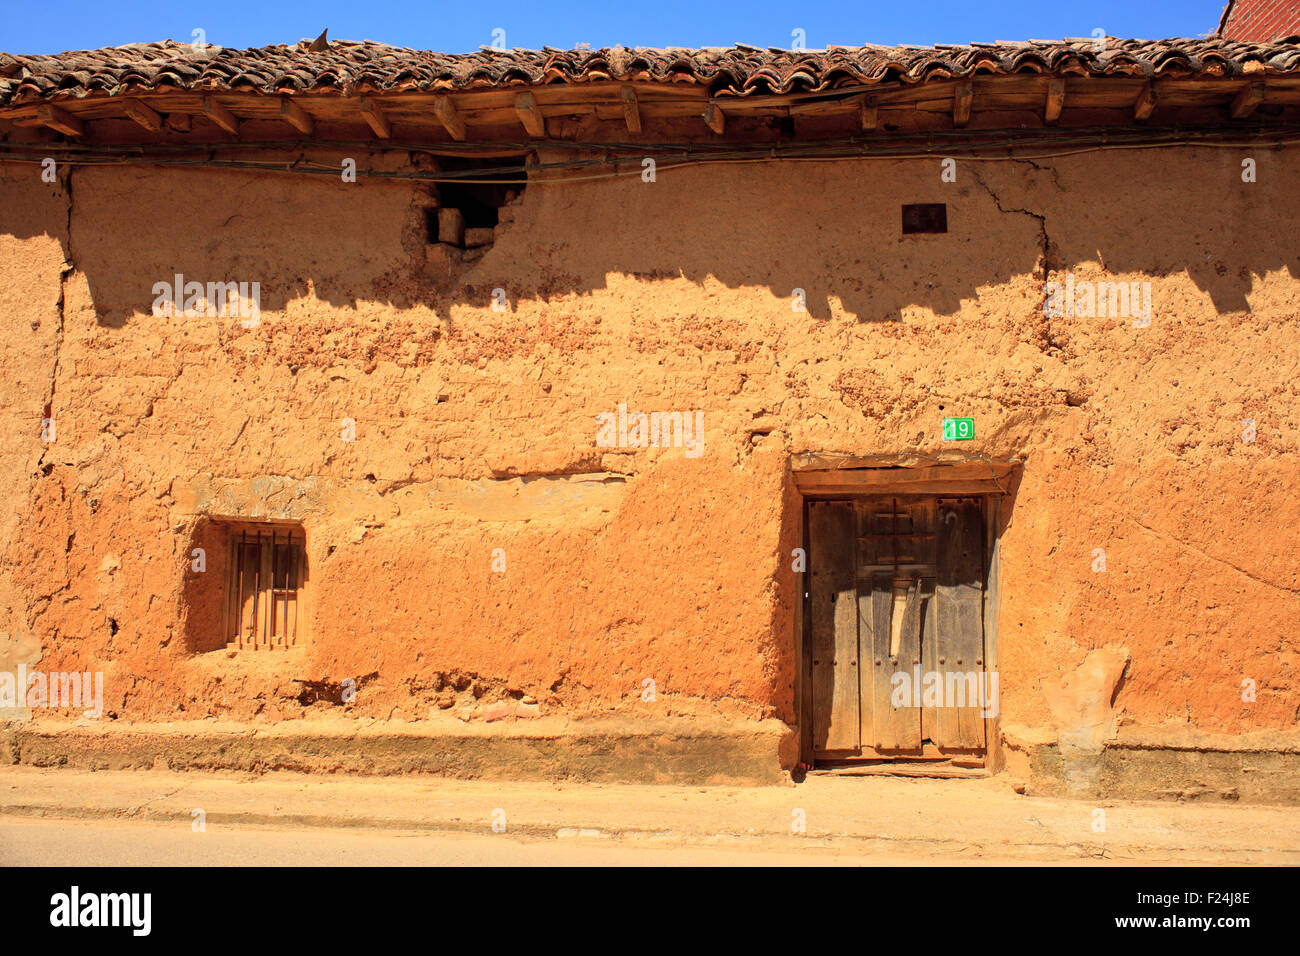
[{"x": 266, "y": 573}]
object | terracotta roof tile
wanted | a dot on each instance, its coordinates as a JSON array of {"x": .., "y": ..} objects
[{"x": 740, "y": 70}]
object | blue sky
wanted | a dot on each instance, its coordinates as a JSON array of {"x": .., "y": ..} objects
[{"x": 457, "y": 27}]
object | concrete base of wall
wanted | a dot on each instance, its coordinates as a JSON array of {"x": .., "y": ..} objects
[
  {"x": 1159, "y": 764},
  {"x": 1139, "y": 764},
  {"x": 665, "y": 750}
]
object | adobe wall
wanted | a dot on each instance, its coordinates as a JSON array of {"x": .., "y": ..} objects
[{"x": 476, "y": 428}]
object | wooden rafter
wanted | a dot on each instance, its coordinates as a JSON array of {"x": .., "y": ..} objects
[
  {"x": 1244, "y": 103},
  {"x": 451, "y": 121},
  {"x": 61, "y": 121},
  {"x": 373, "y": 115},
  {"x": 220, "y": 115},
  {"x": 296, "y": 116},
  {"x": 144, "y": 115},
  {"x": 1055, "y": 100},
  {"x": 868, "y": 114},
  {"x": 631, "y": 111},
  {"x": 962, "y": 97},
  {"x": 1145, "y": 104},
  {"x": 714, "y": 118},
  {"x": 530, "y": 115}
]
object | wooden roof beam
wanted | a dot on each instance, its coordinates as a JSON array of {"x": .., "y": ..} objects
[
  {"x": 868, "y": 114},
  {"x": 60, "y": 121},
  {"x": 962, "y": 98},
  {"x": 220, "y": 115},
  {"x": 451, "y": 121},
  {"x": 373, "y": 115},
  {"x": 530, "y": 115},
  {"x": 144, "y": 115},
  {"x": 296, "y": 116},
  {"x": 1145, "y": 103},
  {"x": 714, "y": 118},
  {"x": 631, "y": 111},
  {"x": 1244, "y": 103},
  {"x": 1055, "y": 100}
]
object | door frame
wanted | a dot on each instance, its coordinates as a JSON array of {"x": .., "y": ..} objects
[{"x": 830, "y": 478}]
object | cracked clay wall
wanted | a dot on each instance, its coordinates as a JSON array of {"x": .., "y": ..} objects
[{"x": 476, "y": 429}]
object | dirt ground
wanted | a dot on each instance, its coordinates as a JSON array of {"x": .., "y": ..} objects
[{"x": 188, "y": 818}]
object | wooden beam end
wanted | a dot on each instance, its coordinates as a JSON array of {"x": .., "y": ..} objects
[
  {"x": 220, "y": 115},
  {"x": 296, "y": 116},
  {"x": 714, "y": 118},
  {"x": 374, "y": 116},
  {"x": 61, "y": 121},
  {"x": 631, "y": 109},
  {"x": 530, "y": 115},
  {"x": 962, "y": 98}
]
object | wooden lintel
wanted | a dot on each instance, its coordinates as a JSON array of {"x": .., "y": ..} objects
[
  {"x": 1251, "y": 95},
  {"x": 296, "y": 116},
  {"x": 1145, "y": 103},
  {"x": 220, "y": 115},
  {"x": 142, "y": 114},
  {"x": 962, "y": 97},
  {"x": 61, "y": 121},
  {"x": 530, "y": 115},
  {"x": 451, "y": 121},
  {"x": 1055, "y": 100},
  {"x": 868, "y": 114},
  {"x": 952, "y": 479},
  {"x": 975, "y": 486},
  {"x": 714, "y": 118},
  {"x": 373, "y": 115},
  {"x": 631, "y": 112}
]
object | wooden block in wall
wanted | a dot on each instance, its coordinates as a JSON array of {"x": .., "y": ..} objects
[{"x": 451, "y": 227}]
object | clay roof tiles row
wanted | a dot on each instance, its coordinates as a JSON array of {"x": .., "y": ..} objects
[{"x": 349, "y": 67}]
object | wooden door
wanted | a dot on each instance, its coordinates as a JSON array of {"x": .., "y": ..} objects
[
  {"x": 897, "y": 638},
  {"x": 832, "y": 539},
  {"x": 957, "y": 648}
]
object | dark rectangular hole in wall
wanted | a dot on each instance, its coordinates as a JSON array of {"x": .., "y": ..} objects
[
  {"x": 494, "y": 185},
  {"x": 925, "y": 217}
]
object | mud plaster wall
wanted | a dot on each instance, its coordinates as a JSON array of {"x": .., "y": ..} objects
[{"x": 476, "y": 429}]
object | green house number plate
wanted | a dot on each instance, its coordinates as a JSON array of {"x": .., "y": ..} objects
[{"x": 957, "y": 429}]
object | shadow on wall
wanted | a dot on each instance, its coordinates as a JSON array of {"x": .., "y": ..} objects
[
  {"x": 203, "y": 591},
  {"x": 820, "y": 232}
]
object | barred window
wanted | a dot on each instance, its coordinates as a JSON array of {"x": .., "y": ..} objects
[{"x": 264, "y": 591}]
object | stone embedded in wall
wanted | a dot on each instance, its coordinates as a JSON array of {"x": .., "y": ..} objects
[{"x": 273, "y": 497}]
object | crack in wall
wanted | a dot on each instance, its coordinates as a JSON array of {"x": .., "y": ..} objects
[
  {"x": 59, "y": 306},
  {"x": 1042, "y": 267},
  {"x": 1042, "y": 264},
  {"x": 1056, "y": 180},
  {"x": 1209, "y": 557},
  {"x": 38, "y": 604}
]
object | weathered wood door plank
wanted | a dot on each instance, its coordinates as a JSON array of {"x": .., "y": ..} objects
[
  {"x": 958, "y": 649},
  {"x": 835, "y": 664}
]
